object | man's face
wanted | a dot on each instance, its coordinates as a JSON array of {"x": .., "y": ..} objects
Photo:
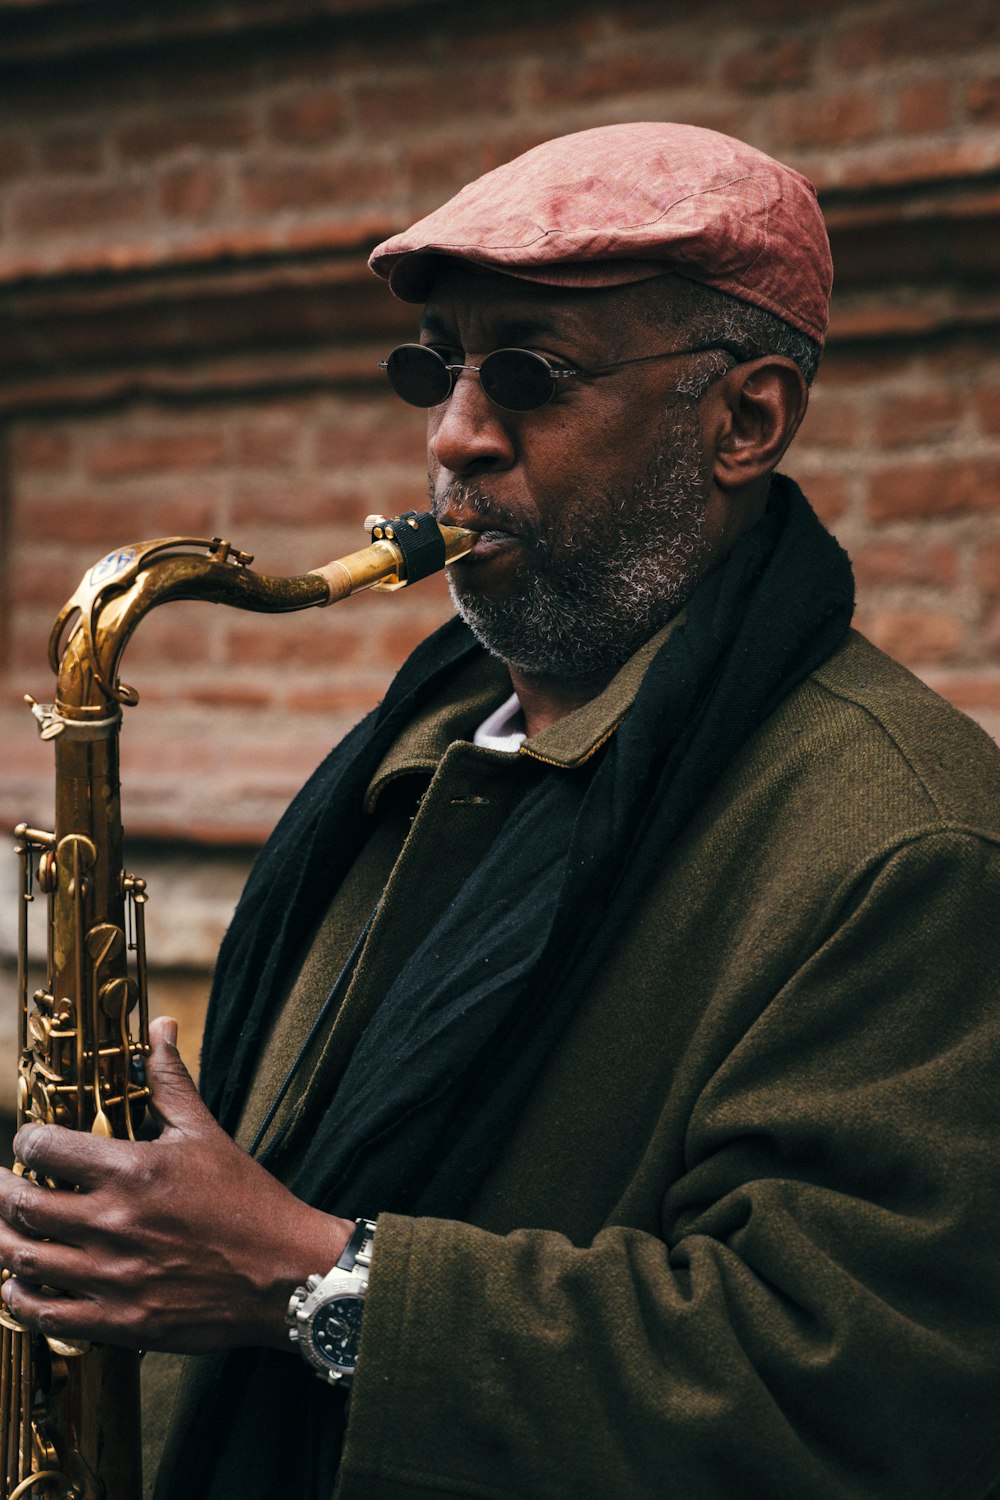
[{"x": 591, "y": 508}]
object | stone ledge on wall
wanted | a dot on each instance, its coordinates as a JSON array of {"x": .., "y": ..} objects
[
  {"x": 262, "y": 311},
  {"x": 37, "y": 29}
]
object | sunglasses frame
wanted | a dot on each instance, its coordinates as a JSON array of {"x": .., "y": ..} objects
[{"x": 554, "y": 372}]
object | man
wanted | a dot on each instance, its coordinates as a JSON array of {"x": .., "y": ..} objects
[{"x": 649, "y": 1013}]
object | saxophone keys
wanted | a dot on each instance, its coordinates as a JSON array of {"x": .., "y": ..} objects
[
  {"x": 43, "y": 1108},
  {"x": 48, "y": 871},
  {"x": 118, "y": 996},
  {"x": 39, "y": 1029},
  {"x": 68, "y": 1348}
]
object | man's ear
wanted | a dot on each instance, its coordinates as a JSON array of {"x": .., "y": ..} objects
[{"x": 761, "y": 404}]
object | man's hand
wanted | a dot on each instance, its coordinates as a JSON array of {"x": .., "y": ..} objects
[{"x": 181, "y": 1243}]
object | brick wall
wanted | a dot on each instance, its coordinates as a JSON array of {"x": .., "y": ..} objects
[{"x": 188, "y": 333}]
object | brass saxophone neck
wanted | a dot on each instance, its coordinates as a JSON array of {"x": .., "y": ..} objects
[{"x": 94, "y": 626}]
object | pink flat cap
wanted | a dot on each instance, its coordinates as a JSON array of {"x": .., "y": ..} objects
[{"x": 624, "y": 203}]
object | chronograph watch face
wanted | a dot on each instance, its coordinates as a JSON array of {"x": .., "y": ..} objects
[
  {"x": 335, "y": 1330},
  {"x": 324, "y": 1316}
]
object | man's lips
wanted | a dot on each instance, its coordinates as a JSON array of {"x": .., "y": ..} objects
[
  {"x": 489, "y": 543},
  {"x": 491, "y": 537}
]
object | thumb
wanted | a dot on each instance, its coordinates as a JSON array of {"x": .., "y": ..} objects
[{"x": 174, "y": 1099}]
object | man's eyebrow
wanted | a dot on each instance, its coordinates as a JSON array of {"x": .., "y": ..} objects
[{"x": 431, "y": 324}]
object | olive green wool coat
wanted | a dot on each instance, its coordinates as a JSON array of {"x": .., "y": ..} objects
[{"x": 744, "y": 1243}]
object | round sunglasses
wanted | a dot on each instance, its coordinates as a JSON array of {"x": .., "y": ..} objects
[{"x": 513, "y": 379}]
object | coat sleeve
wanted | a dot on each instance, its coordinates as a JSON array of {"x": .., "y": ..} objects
[{"x": 818, "y": 1314}]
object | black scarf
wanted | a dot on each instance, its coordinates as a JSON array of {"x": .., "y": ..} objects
[{"x": 474, "y": 1032}]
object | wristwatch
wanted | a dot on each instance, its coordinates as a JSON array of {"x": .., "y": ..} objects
[{"x": 324, "y": 1316}]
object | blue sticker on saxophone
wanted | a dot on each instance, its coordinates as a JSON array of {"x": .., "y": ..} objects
[{"x": 111, "y": 566}]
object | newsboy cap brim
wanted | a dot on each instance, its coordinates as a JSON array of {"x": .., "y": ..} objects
[{"x": 622, "y": 203}]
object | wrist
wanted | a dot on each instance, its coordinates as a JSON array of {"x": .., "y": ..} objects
[
  {"x": 318, "y": 1243},
  {"x": 324, "y": 1313}
]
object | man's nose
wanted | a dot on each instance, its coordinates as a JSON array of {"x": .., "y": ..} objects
[{"x": 467, "y": 433}]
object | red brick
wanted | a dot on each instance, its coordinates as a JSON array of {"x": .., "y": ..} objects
[
  {"x": 420, "y": 102},
  {"x": 506, "y": 142},
  {"x": 987, "y": 404},
  {"x": 612, "y": 75},
  {"x": 223, "y": 695},
  {"x": 769, "y": 65},
  {"x": 915, "y": 30},
  {"x": 45, "y": 450},
  {"x": 431, "y": 170},
  {"x": 895, "y": 166},
  {"x": 313, "y": 118},
  {"x": 164, "y": 135},
  {"x": 840, "y": 119},
  {"x": 299, "y": 502},
  {"x": 913, "y": 636},
  {"x": 864, "y": 44},
  {"x": 268, "y": 443},
  {"x": 982, "y": 100},
  {"x": 925, "y": 106},
  {"x": 311, "y": 639},
  {"x": 85, "y": 520},
  {"x": 306, "y": 184},
  {"x": 72, "y": 209},
  {"x": 939, "y": 30},
  {"x": 991, "y": 633},
  {"x": 352, "y": 702},
  {"x": 134, "y": 453},
  {"x": 46, "y": 583},
  {"x": 934, "y": 489},
  {"x": 165, "y": 638},
  {"x": 28, "y": 658},
  {"x": 848, "y": 368},
  {"x": 399, "y": 637},
  {"x": 893, "y": 563},
  {"x": 832, "y": 421},
  {"x": 925, "y": 418},
  {"x": 181, "y": 515},
  {"x": 987, "y": 569},
  {"x": 190, "y": 192},
  {"x": 73, "y": 151},
  {"x": 285, "y": 760},
  {"x": 393, "y": 433},
  {"x": 952, "y": 361},
  {"x": 967, "y": 693}
]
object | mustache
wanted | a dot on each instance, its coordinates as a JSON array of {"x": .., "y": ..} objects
[{"x": 481, "y": 512}]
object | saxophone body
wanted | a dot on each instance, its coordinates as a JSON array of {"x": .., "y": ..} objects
[{"x": 69, "y": 1413}]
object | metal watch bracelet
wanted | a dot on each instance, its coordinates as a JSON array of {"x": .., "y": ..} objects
[{"x": 324, "y": 1315}]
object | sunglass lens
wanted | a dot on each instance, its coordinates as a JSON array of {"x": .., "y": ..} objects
[
  {"x": 516, "y": 379},
  {"x": 418, "y": 375}
]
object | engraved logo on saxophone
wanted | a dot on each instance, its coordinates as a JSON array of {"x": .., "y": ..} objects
[{"x": 110, "y": 566}]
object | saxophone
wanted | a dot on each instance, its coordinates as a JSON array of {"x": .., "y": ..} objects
[{"x": 69, "y": 1412}]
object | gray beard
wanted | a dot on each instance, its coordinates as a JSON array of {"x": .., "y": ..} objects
[{"x": 584, "y": 602}]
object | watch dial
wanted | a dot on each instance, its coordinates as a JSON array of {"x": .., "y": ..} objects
[{"x": 336, "y": 1329}]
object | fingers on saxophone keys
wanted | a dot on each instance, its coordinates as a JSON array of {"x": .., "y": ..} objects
[
  {"x": 41, "y": 1263},
  {"x": 32, "y": 1212},
  {"x": 46, "y": 1312},
  {"x": 72, "y": 1156}
]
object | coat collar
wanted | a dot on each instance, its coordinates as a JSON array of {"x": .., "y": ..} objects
[{"x": 479, "y": 687}]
